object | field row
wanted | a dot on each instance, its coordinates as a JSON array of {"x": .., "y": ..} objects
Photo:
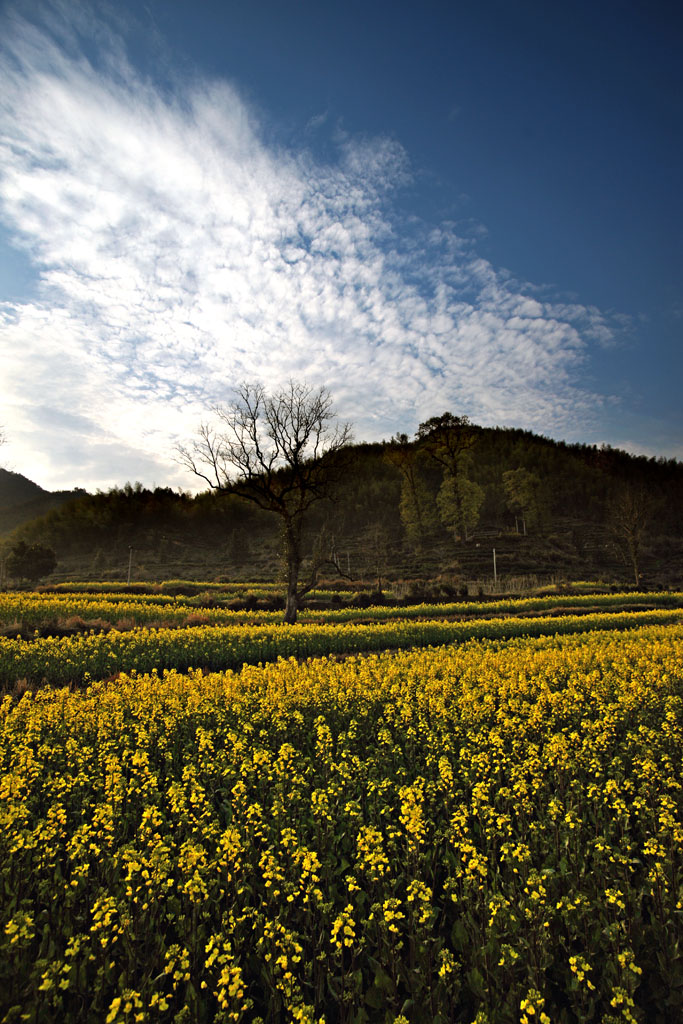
[
  {"x": 93, "y": 656},
  {"x": 168, "y": 587},
  {"x": 38, "y": 611},
  {"x": 490, "y": 832}
]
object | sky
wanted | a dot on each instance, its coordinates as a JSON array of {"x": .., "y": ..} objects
[{"x": 469, "y": 206}]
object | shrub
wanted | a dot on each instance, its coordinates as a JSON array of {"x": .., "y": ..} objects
[{"x": 30, "y": 562}]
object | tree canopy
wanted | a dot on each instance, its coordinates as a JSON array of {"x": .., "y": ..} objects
[{"x": 30, "y": 561}]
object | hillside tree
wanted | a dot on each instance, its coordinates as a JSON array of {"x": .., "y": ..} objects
[
  {"x": 459, "y": 501},
  {"x": 628, "y": 518},
  {"x": 449, "y": 441},
  {"x": 281, "y": 451},
  {"x": 523, "y": 495},
  {"x": 447, "y": 438},
  {"x": 416, "y": 505}
]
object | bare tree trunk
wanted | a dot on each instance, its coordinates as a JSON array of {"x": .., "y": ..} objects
[
  {"x": 293, "y": 560},
  {"x": 292, "y": 605},
  {"x": 633, "y": 548}
]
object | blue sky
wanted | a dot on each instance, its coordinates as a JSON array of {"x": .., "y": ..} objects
[{"x": 469, "y": 206}]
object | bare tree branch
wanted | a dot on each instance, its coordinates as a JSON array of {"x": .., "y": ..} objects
[{"x": 279, "y": 451}]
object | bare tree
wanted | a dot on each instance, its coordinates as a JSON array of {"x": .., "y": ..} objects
[
  {"x": 628, "y": 518},
  {"x": 280, "y": 451}
]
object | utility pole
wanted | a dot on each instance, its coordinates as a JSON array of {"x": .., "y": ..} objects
[
  {"x": 130, "y": 562},
  {"x": 495, "y": 574}
]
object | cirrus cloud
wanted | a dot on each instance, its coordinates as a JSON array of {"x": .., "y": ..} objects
[{"x": 179, "y": 251}]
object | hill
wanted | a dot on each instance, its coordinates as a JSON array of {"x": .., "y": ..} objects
[
  {"x": 549, "y": 509},
  {"x": 22, "y": 500},
  {"x": 16, "y": 489}
]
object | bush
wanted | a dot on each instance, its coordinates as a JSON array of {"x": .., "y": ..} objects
[{"x": 30, "y": 562}]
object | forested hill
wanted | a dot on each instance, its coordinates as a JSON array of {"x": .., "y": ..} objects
[
  {"x": 22, "y": 500},
  {"x": 403, "y": 512}
]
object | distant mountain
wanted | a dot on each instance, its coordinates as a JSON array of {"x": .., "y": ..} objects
[{"x": 22, "y": 500}]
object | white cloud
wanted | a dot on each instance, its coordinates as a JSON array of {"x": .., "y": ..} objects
[{"x": 179, "y": 253}]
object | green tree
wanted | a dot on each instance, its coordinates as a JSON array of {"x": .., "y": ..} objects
[
  {"x": 416, "y": 505},
  {"x": 449, "y": 441},
  {"x": 459, "y": 501},
  {"x": 30, "y": 562},
  {"x": 281, "y": 452},
  {"x": 523, "y": 495},
  {"x": 447, "y": 438}
]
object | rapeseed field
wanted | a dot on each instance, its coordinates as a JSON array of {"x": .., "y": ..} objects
[{"x": 490, "y": 832}]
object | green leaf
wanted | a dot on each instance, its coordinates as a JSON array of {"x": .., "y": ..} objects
[
  {"x": 459, "y": 936},
  {"x": 374, "y": 998},
  {"x": 475, "y": 980},
  {"x": 383, "y": 981}
]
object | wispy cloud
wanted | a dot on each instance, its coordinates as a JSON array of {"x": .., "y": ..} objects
[{"x": 179, "y": 252}]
